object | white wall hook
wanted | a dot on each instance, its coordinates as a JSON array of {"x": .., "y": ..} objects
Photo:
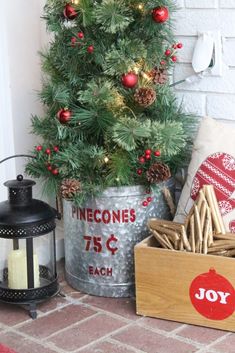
[{"x": 207, "y": 54}]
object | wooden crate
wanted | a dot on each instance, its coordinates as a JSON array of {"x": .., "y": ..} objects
[{"x": 164, "y": 279}]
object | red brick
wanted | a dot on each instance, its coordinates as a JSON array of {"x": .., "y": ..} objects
[
  {"x": 22, "y": 345},
  {"x": 12, "y": 314},
  {"x": 159, "y": 324},
  {"x": 86, "y": 332},
  {"x": 151, "y": 342},
  {"x": 121, "y": 306},
  {"x": 106, "y": 347},
  {"x": 53, "y": 303},
  {"x": 71, "y": 292},
  {"x": 51, "y": 323},
  {"x": 226, "y": 345},
  {"x": 200, "y": 334}
]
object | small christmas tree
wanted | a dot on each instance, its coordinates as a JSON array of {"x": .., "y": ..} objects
[{"x": 112, "y": 119}]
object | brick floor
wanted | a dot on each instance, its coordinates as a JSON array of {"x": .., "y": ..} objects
[{"x": 80, "y": 323}]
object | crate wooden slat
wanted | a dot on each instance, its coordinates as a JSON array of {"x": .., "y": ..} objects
[{"x": 163, "y": 279}]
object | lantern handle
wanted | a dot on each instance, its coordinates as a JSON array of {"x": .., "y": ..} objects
[{"x": 16, "y": 156}]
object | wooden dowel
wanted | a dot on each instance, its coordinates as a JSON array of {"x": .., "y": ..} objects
[
  {"x": 203, "y": 214},
  {"x": 160, "y": 240},
  {"x": 198, "y": 230},
  {"x": 185, "y": 239},
  {"x": 163, "y": 223},
  {"x": 212, "y": 208},
  {"x": 192, "y": 234},
  {"x": 217, "y": 210},
  {"x": 171, "y": 233},
  {"x": 206, "y": 235}
]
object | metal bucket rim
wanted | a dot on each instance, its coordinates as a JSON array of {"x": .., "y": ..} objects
[{"x": 133, "y": 190}]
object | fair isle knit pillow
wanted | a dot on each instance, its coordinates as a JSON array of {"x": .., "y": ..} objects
[{"x": 212, "y": 162}]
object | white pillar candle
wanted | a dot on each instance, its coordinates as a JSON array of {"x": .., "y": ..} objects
[{"x": 17, "y": 270}]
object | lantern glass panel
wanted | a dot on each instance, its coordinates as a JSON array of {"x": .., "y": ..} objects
[{"x": 28, "y": 263}]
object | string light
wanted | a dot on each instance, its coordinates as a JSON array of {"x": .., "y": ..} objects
[
  {"x": 147, "y": 77},
  {"x": 117, "y": 179},
  {"x": 106, "y": 159},
  {"x": 140, "y": 7},
  {"x": 75, "y": 2}
]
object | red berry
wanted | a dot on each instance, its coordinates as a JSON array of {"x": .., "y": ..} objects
[
  {"x": 73, "y": 40},
  {"x": 39, "y": 148},
  {"x": 168, "y": 52},
  {"x": 179, "y": 45},
  {"x": 148, "y": 191},
  {"x": 174, "y": 46},
  {"x": 163, "y": 62},
  {"x": 145, "y": 203},
  {"x": 148, "y": 157},
  {"x": 157, "y": 153},
  {"x": 139, "y": 171},
  {"x": 48, "y": 151},
  {"x": 80, "y": 35},
  {"x": 56, "y": 148},
  {"x": 142, "y": 160},
  {"x": 174, "y": 58},
  {"x": 55, "y": 171},
  {"x": 147, "y": 152},
  {"x": 49, "y": 167},
  {"x": 90, "y": 49},
  {"x": 149, "y": 199}
]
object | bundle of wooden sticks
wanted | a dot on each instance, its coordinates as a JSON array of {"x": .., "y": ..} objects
[{"x": 203, "y": 231}]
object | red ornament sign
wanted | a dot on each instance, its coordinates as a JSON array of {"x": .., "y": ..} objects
[{"x": 212, "y": 295}]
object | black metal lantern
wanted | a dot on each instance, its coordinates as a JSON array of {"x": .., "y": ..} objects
[{"x": 28, "y": 275}]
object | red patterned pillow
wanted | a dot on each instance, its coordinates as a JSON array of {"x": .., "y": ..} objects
[
  {"x": 213, "y": 162},
  {"x": 4, "y": 349}
]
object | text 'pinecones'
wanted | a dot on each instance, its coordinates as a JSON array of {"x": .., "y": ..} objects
[
  {"x": 158, "y": 172},
  {"x": 144, "y": 96},
  {"x": 159, "y": 76},
  {"x": 69, "y": 188}
]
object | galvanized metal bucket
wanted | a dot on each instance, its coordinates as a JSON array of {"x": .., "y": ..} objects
[{"x": 100, "y": 238}]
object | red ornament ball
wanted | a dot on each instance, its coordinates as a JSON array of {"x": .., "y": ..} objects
[
  {"x": 48, "y": 151},
  {"x": 49, "y": 167},
  {"x": 160, "y": 14},
  {"x": 80, "y": 35},
  {"x": 174, "y": 58},
  {"x": 179, "y": 45},
  {"x": 56, "y": 148},
  {"x": 38, "y": 148},
  {"x": 149, "y": 199},
  {"x": 148, "y": 157},
  {"x": 168, "y": 52},
  {"x": 147, "y": 152},
  {"x": 73, "y": 41},
  {"x": 70, "y": 12},
  {"x": 145, "y": 203},
  {"x": 90, "y": 49},
  {"x": 157, "y": 153},
  {"x": 55, "y": 171},
  {"x": 64, "y": 116},
  {"x": 129, "y": 80},
  {"x": 141, "y": 160},
  {"x": 163, "y": 62},
  {"x": 139, "y": 171}
]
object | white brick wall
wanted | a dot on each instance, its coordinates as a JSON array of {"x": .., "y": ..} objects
[{"x": 214, "y": 96}]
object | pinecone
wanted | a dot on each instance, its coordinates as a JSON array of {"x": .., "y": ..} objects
[
  {"x": 158, "y": 172},
  {"x": 144, "y": 96},
  {"x": 69, "y": 187},
  {"x": 159, "y": 76}
]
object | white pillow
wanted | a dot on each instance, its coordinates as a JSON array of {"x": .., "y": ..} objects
[{"x": 213, "y": 162}]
